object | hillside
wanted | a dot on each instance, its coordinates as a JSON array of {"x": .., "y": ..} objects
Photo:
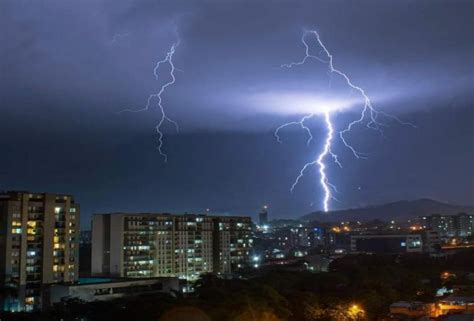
[{"x": 401, "y": 210}]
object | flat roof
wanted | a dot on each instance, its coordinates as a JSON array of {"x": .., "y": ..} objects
[
  {"x": 102, "y": 280},
  {"x": 173, "y": 214}
]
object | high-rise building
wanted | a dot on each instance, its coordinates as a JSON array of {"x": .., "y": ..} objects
[
  {"x": 263, "y": 216},
  {"x": 465, "y": 225},
  {"x": 448, "y": 226},
  {"x": 153, "y": 245},
  {"x": 38, "y": 245}
]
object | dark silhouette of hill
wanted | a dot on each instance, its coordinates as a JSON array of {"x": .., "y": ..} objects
[{"x": 401, "y": 210}]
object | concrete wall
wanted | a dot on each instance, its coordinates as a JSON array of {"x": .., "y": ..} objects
[{"x": 97, "y": 261}]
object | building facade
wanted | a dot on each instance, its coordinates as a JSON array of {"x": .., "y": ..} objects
[
  {"x": 431, "y": 241},
  {"x": 183, "y": 246},
  {"x": 38, "y": 245},
  {"x": 263, "y": 216},
  {"x": 448, "y": 226},
  {"x": 388, "y": 243},
  {"x": 464, "y": 225}
]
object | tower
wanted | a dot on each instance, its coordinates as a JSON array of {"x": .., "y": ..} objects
[{"x": 263, "y": 216}]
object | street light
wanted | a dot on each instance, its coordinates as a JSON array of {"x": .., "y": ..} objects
[{"x": 356, "y": 311}]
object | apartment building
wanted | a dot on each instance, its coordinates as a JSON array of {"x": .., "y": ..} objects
[
  {"x": 38, "y": 245},
  {"x": 448, "y": 226},
  {"x": 155, "y": 244}
]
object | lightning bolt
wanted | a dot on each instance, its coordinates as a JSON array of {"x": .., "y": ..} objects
[
  {"x": 368, "y": 114},
  {"x": 158, "y": 96},
  {"x": 299, "y": 123}
]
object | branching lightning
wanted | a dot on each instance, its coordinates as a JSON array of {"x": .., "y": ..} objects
[
  {"x": 368, "y": 114},
  {"x": 301, "y": 124},
  {"x": 168, "y": 59}
]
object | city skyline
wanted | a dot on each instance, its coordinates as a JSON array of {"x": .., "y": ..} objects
[{"x": 234, "y": 160}]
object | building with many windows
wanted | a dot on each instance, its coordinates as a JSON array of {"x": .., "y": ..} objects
[
  {"x": 448, "y": 226},
  {"x": 38, "y": 245},
  {"x": 184, "y": 246}
]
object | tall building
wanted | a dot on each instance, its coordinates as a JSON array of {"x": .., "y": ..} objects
[
  {"x": 185, "y": 246},
  {"x": 38, "y": 245},
  {"x": 465, "y": 225},
  {"x": 263, "y": 216},
  {"x": 448, "y": 226},
  {"x": 288, "y": 238}
]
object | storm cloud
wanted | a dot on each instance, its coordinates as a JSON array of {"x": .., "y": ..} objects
[{"x": 67, "y": 67}]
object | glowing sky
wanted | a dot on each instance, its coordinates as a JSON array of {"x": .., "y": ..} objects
[{"x": 67, "y": 67}]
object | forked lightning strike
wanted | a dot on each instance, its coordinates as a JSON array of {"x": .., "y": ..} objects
[
  {"x": 301, "y": 124},
  {"x": 367, "y": 111},
  {"x": 167, "y": 60}
]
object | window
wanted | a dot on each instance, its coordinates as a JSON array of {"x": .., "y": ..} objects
[{"x": 16, "y": 223}]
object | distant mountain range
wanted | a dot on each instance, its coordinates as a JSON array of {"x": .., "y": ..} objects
[{"x": 401, "y": 210}]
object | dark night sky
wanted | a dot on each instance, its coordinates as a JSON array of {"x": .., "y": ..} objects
[{"x": 62, "y": 82}]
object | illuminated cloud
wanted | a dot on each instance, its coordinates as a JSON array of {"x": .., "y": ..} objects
[{"x": 293, "y": 103}]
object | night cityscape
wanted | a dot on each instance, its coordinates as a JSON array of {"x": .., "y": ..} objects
[{"x": 236, "y": 160}]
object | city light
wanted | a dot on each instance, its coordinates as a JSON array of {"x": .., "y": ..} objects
[
  {"x": 144, "y": 222},
  {"x": 356, "y": 311}
]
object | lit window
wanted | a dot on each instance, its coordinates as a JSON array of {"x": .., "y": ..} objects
[{"x": 57, "y": 210}]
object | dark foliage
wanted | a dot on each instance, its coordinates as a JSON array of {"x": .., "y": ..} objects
[{"x": 370, "y": 281}]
